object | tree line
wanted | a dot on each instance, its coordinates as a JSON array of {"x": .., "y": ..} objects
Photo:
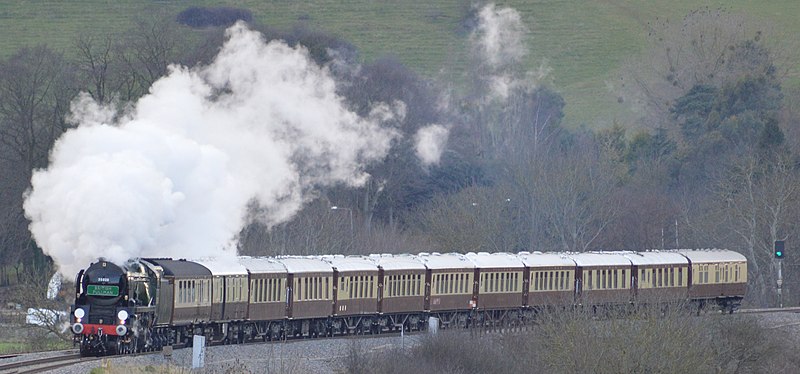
[{"x": 711, "y": 163}]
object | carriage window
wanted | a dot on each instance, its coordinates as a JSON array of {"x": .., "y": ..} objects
[
  {"x": 615, "y": 277},
  {"x": 540, "y": 284},
  {"x": 672, "y": 277},
  {"x": 396, "y": 286},
  {"x": 514, "y": 281},
  {"x": 589, "y": 273},
  {"x": 271, "y": 292}
]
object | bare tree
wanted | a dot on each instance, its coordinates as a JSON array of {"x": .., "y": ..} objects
[
  {"x": 472, "y": 220},
  {"x": 575, "y": 192},
  {"x": 146, "y": 52},
  {"x": 36, "y": 86},
  {"x": 95, "y": 63},
  {"x": 756, "y": 200}
]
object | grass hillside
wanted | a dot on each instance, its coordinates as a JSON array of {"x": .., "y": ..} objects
[{"x": 583, "y": 41}]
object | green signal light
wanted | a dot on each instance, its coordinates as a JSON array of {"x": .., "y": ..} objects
[{"x": 779, "y": 247}]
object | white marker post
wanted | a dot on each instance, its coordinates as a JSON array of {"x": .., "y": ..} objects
[
  {"x": 433, "y": 325},
  {"x": 198, "y": 351}
]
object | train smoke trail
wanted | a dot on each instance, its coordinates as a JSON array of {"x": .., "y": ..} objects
[
  {"x": 175, "y": 176},
  {"x": 498, "y": 41},
  {"x": 430, "y": 142}
]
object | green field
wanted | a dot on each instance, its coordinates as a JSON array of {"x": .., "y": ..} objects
[{"x": 583, "y": 41}]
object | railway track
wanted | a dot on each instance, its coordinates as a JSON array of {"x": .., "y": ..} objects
[
  {"x": 770, "y": 310},
  {"x": 41, "y": 364},
  {"x": 72, "y": 357}
]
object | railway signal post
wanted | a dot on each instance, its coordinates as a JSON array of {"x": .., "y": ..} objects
[{"x": 780, "y": 251}]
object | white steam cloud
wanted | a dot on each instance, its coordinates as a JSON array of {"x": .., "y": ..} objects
[
  {"x": 498, "y": 40},
  {"x": 430, "y": 142},
  {"x": 498, "y": 36},
  {"x": 261, "y": 125}
]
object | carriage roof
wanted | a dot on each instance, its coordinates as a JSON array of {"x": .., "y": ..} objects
[
  {"x": 656, "y": 258},
  {"x": 548, "y": 259},
  {"x": 223, "y": 266},
  {"x": 259, "y": 265},
  {"x": 351, "y": 263},
  {"x": 398, "y": 262},
  {"x": 301, "y": 264},
  {"x": 495, "y": 260},
  {"x": 180, "y": 268},
  {"x": 712, "y": 255},
  {"x": 600, "y": 259},
  {"x": 441, "y": 261}
]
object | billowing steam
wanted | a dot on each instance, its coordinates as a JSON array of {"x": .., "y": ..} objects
[
  {"x": 430, "y": 143},
  {"x": 260, "y": 126},
  {"x": 498, "y": 36},
  {"x": 498, "y": 41}
]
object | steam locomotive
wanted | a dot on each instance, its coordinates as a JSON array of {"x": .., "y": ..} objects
[{"x": 146, "y": 304}]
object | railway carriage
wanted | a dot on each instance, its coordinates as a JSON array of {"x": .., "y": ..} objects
[
  {"x": 309, "y": 295},
  {"x": 267, "y": 288},
  {"x": 603, "y": 278},
  {"x": 356, "y": 284},
  {"x": 450, "y": 281},
  {"x": 659, "y": 276},
  {"x": 718, "y": 277},
  {"x": 185, "y": 292},
  {"x": 546, "y": 271},
  {"x": 402, "y": 285},
  {"x": 500, "y": 280},
  {"x": 229, "y": 289}
]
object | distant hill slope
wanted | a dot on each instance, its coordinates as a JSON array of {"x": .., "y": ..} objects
[{"x": 583, "y": 41}]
